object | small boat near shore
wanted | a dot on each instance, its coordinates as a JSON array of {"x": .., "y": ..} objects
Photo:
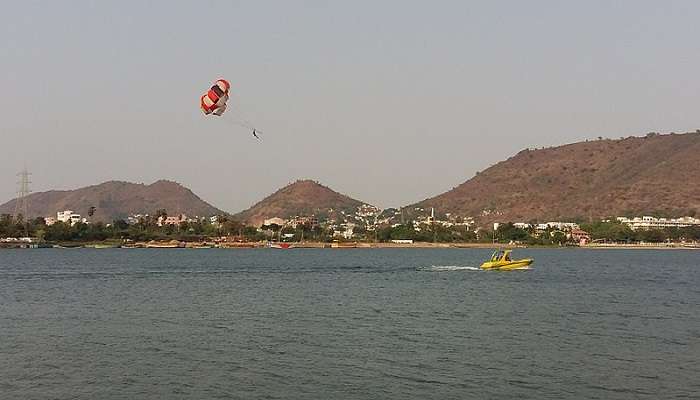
[
  {"x": 102, "y": 246},
  {"x": 343, "y": 245},
  {"x": 500, "y": 261},
  {"x": 280, "y": 245},
  {"x": 173, "y": 244}
]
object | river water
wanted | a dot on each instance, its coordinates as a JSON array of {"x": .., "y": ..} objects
[{"x": 348, "y": 324}]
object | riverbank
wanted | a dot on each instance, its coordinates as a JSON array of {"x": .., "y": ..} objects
[
  {"x": 642, "y": 246},
  {"x": 174, "y": 244}
]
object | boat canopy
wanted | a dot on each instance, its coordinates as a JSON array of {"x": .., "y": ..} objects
[{"x": 501, "y": 255}]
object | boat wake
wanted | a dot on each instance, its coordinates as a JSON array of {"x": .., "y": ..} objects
[{"x": 447, "y": 268}]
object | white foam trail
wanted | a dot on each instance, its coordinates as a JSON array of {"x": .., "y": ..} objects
[{"x": 448, "y": 268}]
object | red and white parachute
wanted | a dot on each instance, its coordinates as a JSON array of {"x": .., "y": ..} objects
[{"x": 214, "y": 100}]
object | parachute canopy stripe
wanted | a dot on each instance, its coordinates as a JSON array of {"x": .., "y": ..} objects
[
  {"x": 215, "y": 99},
  {"x": 207, "y": 101},
  {"x": 216, "y": 89},
  {"x": 224, "y": 85},
  {"x": 206, "y": 108}
]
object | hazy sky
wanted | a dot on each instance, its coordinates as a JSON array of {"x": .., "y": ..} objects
[{"x": 387, "y": 101}]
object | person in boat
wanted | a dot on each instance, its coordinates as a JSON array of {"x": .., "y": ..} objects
[{"x": 497, "y": 255}]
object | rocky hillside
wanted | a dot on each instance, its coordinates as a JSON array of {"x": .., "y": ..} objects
[
  {"x": 303, "y": 197},
  {"x": 116, "y": 199},
  {"x": 656, "y": 174}
]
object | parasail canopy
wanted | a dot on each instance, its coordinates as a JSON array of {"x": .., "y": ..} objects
[{"x": 214, "y": 100}]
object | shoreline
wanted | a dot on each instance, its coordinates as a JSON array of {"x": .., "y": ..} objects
[{"x": 341, "y": 245}]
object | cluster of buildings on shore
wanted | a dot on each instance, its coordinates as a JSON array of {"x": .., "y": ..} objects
[
  {"x": 424, "y": 219},
  {"x": 344, "y": 225},
  {"x": 649, "y": 223},
  {"x": 367, "y": 218},
  {"x": 67, "y": 216},
  {"x": 71, "y": 217},
  {"x": 575, "y": 234},
  {"x": 571, "y": 230}
]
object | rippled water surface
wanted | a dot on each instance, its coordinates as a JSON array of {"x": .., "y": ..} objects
[{"x": 347, "y": 324}]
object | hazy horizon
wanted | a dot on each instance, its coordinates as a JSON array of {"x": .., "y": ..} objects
[{"x": 387, "y": 102}]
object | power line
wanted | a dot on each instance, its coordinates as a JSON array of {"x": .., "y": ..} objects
[{"x": 23, "y": 191}]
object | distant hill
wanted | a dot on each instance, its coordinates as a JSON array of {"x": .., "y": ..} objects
[
  {"x": 116, "y": 199},
  {"x": 656, "y": 174},
  {"x": 303, "y": 197}
]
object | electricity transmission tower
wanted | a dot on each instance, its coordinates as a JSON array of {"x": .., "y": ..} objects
[{"x": 22, "y": 202}]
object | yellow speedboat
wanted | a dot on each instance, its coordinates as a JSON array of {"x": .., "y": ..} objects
[{"x": 501, "y": 261}]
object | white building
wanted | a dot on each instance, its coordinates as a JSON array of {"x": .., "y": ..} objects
[
  {"x": 135, "y": 219},
  {"x": 48, "y": 221},
  {"x": 64, "y": 216},
  {"x": 647, "y": 222},
  {"x": 214, "y": 221},
  {"x": 349, "y": 230},
  {"x": 348, "y": 233},
  {"x": 563, "y": 226},
  {"x": 176, "y": 220},
  {"x": 274, "y": 221},
  {"x": 69, "y": 217},
  {"x": 367, "y": 210}
]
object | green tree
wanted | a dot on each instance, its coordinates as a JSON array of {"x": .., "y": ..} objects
[
  {"x": 652, "y": 235},
  {"x": 609, "y": 231},
  {"x": 60, "y": 231},
  {"x": 508, "y": 232},
  {"x": 558, "y": 237}
]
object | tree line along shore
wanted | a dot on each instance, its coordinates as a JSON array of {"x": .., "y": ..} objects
[{"x": 15, "y": 232}]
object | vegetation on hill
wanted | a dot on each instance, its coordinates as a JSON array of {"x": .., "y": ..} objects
[
  {"x": 656, "y": 174},
  {"x": 652, "y": 175},
  {"x": 116, "y": 200},
  {"x": 303, "y": 197}
]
